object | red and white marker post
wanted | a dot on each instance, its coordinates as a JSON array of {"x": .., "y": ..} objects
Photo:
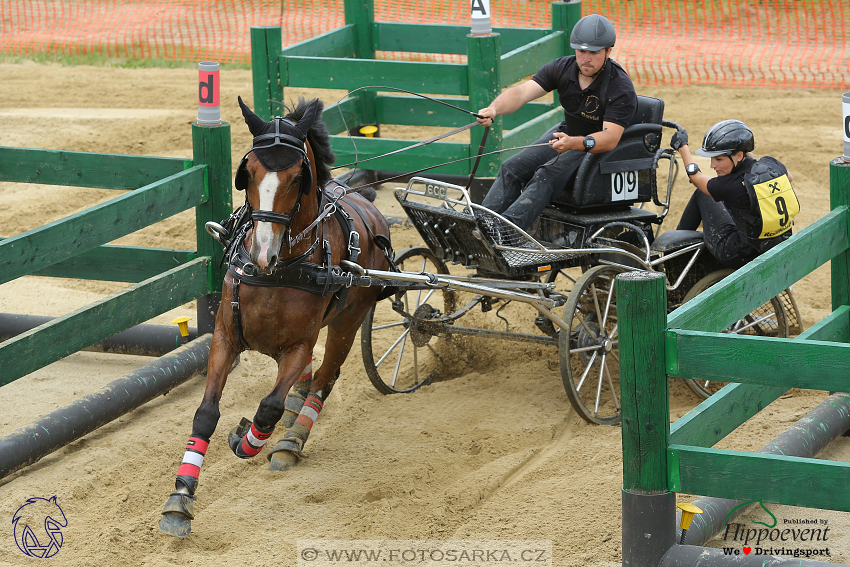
[{"x": 209, "y": 101}]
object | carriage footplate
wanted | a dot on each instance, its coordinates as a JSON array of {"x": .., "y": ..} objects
[{"x": 546, "y": 326}]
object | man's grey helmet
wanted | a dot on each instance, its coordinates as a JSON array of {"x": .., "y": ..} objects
[
  {"x": 592, "y": 33},
  {"x": 726, "y": 138}
]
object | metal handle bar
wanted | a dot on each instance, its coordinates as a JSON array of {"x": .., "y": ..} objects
[
  {"x": 439, "y": 281},
  {"x": 630, "y": 227}
]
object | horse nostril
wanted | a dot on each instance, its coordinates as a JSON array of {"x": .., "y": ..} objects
[{"x": 272, "y": 260}]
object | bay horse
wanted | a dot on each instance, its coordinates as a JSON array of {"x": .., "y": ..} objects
[{"x": 280, "y": 290}]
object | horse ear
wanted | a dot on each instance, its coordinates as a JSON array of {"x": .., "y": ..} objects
[
  {"x": 314, "y": 107},
  {"x": 254, "y": 122}
]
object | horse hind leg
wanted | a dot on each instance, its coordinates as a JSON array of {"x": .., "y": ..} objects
[
  {"x": 289, "y": 450},
  {"x": 296, "y": 396}
]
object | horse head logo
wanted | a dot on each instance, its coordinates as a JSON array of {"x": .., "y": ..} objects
[{"x": 38, "y": 527}]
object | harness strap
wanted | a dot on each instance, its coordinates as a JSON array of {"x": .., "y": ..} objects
[
  {"x": 237, "y": 319},
  {"x": 328, "y": 261},
  {"x": 271, "y": 216}
]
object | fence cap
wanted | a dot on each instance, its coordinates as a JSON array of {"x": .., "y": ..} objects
[{"x": 639, "y": 275}]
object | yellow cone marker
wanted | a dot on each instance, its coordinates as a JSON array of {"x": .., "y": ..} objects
[
  {"x": 688, "y": 511},
  {"x": 369, "y": 131},
  {"x": 183, "y": 325}
]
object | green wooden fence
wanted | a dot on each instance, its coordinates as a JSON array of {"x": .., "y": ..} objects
[
  {"x": 76, "y": 246},
  {"x": 344, "y": 58},
  {"x": 659, "y": 457}
]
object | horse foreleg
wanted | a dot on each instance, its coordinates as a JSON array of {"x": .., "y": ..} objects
[
  {"x": 179, "y": 508},
  {"x": 249, "y": 437}
]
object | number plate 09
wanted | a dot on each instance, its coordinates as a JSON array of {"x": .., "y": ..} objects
[{"x": 624, "y": 185}]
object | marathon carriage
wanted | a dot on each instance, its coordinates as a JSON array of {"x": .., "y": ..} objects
[{"x": 564, "y": 269}]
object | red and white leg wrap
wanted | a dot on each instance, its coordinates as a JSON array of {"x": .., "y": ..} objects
[
  {"x": 309, "y": 412},
  {"x": 193, "y": 458},
  {"x": 254, "y": 440}
]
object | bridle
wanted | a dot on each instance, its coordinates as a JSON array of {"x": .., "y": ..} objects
[{"x": 285, "y": 140}]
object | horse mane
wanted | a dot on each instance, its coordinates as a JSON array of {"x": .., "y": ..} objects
[{"x": 318, "y": 137}]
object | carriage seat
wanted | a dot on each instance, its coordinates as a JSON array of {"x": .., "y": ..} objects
[
  {"x": 624, "y": 175},
  {"x": 676, "y": 239}
]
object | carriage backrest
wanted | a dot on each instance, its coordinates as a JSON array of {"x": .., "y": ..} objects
[{"x": 624, "y": 175}]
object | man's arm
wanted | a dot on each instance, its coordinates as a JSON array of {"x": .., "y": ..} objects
[
  {"x": 510, "y": 101},
  {"x": 606, "y": 139}
]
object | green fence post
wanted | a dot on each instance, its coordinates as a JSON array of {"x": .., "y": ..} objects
[
  {"x": 649, "y": 508},
  {"x": 211, "y": 146},
  {"x": 361, "y": 13},
  {"x": 484, "y": 54},
  {"x": 839, "y": 194},
  {"x": 565, "y": 15},
  {"x": 266, "y": 45}
]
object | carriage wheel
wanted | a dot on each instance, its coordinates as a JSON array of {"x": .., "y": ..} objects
[
  {"x": 769, "y": 320},
  {"x": 589, "y": 353},
  {"x": 398, "y": 356}
]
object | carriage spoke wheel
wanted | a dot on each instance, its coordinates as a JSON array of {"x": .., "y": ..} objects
[
  {"x": 589, "y": 354},
  {"x": 769, "y": 320},
  {"x": 399, "y": 353}
]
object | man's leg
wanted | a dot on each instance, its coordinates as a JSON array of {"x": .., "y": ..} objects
[
  {"x": 515, "y": 172},
  {"x": 546, "y": 180}
]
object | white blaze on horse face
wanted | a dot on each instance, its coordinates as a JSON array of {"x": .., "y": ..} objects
[{"x": 264, "y": 241}]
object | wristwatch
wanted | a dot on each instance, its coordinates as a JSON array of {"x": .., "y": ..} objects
[
  {"x": 589, "y": 143},
  {"x": 691, "y": 168}
]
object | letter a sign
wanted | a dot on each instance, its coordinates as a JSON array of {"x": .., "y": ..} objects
[{"x": 480, "y": 8}]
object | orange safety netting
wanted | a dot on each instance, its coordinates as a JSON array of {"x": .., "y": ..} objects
[{"x": 756, "y": 43}]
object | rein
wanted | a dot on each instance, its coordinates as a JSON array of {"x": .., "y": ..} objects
[
  {"x": 331, "y": 207},
  {"x": 476, "y": 157}
]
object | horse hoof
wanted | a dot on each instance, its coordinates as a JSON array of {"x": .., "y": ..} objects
[
  {"x": 175, "y": 524},
  {"x": 282, "y": 461}
]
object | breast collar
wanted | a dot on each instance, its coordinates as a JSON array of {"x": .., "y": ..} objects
[{"x": 296, "y": 272}]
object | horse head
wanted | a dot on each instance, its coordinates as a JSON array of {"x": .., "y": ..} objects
[{"x": 277, "y": 173}]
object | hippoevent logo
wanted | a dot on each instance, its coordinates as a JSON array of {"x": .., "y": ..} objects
[
  {"x": 793, "y": 537},
  {"x": 38, "y": 527}
]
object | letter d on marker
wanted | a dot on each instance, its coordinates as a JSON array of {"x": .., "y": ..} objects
[{"x": 209, "y": 109}]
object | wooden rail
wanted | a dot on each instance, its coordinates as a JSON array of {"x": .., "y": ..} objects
[
  {"x": 659, "y": 458},
  {"x": 76, "y": 246}
]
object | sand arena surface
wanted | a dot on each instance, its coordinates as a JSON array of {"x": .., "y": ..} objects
[{"x": 493, "y": 451}]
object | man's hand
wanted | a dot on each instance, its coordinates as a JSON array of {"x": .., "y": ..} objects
[
  {"x": 679, "y": 139},
  {"x": 560, "y": 143},
  {"x": 486, "y": 116}
]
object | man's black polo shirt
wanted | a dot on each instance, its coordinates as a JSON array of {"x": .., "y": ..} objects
[{"x": 562, "y": 74}]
